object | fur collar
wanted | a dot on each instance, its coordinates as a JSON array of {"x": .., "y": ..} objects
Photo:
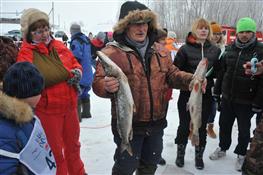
[
  {"x": 14, "y": 109},
  {"x": 120, "y": 46}
]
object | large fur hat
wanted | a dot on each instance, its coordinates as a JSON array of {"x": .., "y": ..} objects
[
  {"x": 29, "y": 17},
  {"x": 133, "y": 12}
]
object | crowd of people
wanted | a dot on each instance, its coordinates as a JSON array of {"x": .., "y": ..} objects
[{"x": 45, "y": 92}]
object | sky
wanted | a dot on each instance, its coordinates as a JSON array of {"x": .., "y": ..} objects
[
  {"x": 93, "y": 15},
  {"x": 97, "y": 146}
]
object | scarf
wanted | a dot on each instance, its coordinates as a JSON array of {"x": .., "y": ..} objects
[
  {"x": 240, "y": 45},
  {"x": 141, "y": 47}
]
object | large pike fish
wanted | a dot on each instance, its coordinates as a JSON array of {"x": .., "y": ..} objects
[
  {"x": 194, "y": 104},
  {"x": 125, "y": 104}
]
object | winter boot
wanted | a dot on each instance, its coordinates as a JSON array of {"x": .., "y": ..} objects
[
  {"x": 210, "y": 130},
  {"x": 86, "y": 108},
  {"x": 217, "y": 154},
  {"x": 199, "y": 163},
  {"x": 180, "y": 155},
  {"x": 79, "y": 109},
  {"x": 145, "y": 169}
]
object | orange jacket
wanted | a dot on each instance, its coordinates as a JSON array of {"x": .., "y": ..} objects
[{"x": 169, "y": 44}]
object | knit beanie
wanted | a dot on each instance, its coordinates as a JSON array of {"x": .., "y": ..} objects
[
  {"x": 29, "y": 17},
  {"x": 130, "y": 6},
  {"x": 216, "y": 28},
  {"x": 246, "y": 24},
  {"x": 75, "y": 28},
  {"x": 171, "y": 34},
  {"x": 23, "y": 80},
  {"x": 101, "y": 36}
]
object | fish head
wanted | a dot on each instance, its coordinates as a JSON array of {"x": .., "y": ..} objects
[
  {"x": 110, "y": 68},
  {"x": 106, "y": 67},
  {"x": 202, "y": 68}
]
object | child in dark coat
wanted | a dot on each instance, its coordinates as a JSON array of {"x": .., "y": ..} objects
[{"x": 24, "y": 149}]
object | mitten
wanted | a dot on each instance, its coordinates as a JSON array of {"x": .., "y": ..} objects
[{"x": 76, "y": 77}]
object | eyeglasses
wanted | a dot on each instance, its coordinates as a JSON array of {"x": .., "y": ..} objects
[{"x": 40, "y": 32}]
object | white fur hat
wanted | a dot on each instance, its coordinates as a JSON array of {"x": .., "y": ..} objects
[{"x": 29, "y": 17}]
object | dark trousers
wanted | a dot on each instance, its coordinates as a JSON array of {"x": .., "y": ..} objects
[
  {"x": 258, "y": 118},
  {"x": 229, "y": 112},
  {"x": 184, "y": 117},
  {"x": 212, "y": 115},
  {"x": 146, "y": 150}
]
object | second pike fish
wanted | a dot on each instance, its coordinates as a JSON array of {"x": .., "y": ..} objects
[
  {"x": 125, "y": 104},
  {"x": 194, "y": 104}
]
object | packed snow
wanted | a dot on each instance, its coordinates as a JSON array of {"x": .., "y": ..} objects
[{"x": 97, "y": 146}]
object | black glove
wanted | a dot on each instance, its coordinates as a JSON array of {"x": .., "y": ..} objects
[
  {"x": 76, "y": 77},
  {"x": 256, "y": 108},
  {"x": 217, "y": 99}
]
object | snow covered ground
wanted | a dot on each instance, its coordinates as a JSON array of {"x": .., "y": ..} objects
[{"x": 97, "y": 146}]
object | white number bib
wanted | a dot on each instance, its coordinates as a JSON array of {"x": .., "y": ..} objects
[{"x": 36, "y": 155}]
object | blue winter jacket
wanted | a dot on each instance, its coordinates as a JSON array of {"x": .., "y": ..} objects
[
  {"x": 16, "y": 125},
  {"x": 81, "y": 48}
]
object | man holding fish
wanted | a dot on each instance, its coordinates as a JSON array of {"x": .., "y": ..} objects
[{"x": 150, "y": 72}]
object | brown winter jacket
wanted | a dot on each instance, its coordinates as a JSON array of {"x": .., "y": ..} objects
[
  {"x": 149, "y": 83},
  {"x": 148, "y": 89},
  {"x": 253, "y": 164}
]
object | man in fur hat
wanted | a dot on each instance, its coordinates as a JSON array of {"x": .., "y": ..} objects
[{"x": 150, "y": 73}]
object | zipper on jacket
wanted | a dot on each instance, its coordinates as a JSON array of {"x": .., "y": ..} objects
[
  {"x": 148, "y": 76},
  {"x": 146, "y": 68},
  {"x": 129, "y": 59},
  {"x": 233, "y": 76}
]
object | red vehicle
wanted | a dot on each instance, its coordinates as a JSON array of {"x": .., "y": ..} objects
[{"x": 230, "y": 34}]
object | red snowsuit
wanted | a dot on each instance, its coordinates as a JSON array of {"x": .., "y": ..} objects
[{"x": 57, "y": 109}]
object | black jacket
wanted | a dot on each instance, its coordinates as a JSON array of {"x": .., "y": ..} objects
[
  {"x": 190, "y": 54},
  {"x": 235, "y": 85}
]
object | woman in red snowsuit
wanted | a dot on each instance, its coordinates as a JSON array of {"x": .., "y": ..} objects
[{"x": 57, "y": 108}]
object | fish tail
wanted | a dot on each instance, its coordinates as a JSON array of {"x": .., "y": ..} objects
[
  {"x": 195, "y": 140},
  {"x": 126, "y": 146}
]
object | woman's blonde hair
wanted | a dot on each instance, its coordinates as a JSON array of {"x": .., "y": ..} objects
[{"x": 200, "y": 23}]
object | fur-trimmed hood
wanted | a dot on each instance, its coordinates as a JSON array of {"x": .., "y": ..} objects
[
  {"x": 135, "y": 17},
  {"x": 14, "y": 109}
]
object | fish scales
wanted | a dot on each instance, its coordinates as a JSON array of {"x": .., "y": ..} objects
[
  {"x": 194, "y": 104},
  {"x": 125, "y": 104}
]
